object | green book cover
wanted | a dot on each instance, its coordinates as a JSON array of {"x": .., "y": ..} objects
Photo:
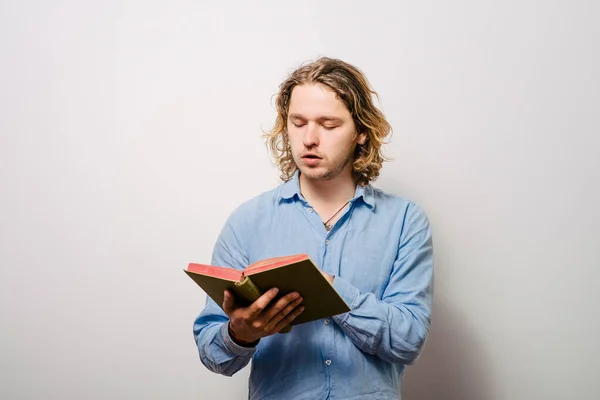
[{"x": 296, "y": 273}]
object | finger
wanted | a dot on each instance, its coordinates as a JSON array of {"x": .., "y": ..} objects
[
  {"x": 274, "y": 318},
  {"x": 288, "y": 319},
  {"x": 228, "y": 303},
  {"x": 276, "y": 308},
  {"x": 327, "y": 276},
  {"x": 262, "y": 302}
]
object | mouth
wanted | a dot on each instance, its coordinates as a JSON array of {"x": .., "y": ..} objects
[{"x": 311, "y": 157}]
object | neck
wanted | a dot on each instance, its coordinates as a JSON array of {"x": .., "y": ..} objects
[{"x": 329, "y": 193}]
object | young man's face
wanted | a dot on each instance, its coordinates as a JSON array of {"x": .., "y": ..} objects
[{"x": 321, "y": 132}]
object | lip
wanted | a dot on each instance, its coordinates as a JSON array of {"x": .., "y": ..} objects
[
  {"x": 310, "y": 159},
  {"x": 310, "y": 156}
]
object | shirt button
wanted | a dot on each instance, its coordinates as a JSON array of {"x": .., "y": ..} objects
[
  {"x": 327, "y": 242},
  {"x": 326, "y": 322},
  {"x": 310, "y": 210},
  {"x": 328, "y": 362}
]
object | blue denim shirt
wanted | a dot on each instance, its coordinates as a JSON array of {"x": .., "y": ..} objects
[{"x": 380, "y": 252}]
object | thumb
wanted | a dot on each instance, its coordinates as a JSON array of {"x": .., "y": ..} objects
[{"x": 228, "y": 303}]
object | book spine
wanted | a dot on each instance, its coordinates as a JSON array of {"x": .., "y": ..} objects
[{"x": 248, "y": 291}]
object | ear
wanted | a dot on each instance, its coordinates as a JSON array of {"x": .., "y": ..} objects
[{"x": 361, "y": 139}]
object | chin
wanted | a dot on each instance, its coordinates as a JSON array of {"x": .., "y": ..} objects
[{"x": 317, "y": 174}]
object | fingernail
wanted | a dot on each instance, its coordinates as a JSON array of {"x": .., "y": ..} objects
[{"x": 275, "y": 290}]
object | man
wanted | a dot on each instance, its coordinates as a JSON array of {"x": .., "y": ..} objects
[{"x": 375, "y": 249}]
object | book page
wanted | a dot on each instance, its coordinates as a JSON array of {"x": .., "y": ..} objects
[{"x": 273, "y": 262}]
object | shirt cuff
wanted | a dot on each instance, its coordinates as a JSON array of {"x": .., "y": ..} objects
[
  {"x": 234, "y": 347},
  {"x": 348, "y": 292}
]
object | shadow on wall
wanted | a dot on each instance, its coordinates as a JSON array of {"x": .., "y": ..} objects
[{"x": 451, "y": 365}]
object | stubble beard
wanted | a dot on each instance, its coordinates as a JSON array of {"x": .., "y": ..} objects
[{"x": 328, "y": 173}]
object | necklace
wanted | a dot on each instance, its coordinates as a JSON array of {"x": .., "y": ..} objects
[{"x": 326, "y": 223}]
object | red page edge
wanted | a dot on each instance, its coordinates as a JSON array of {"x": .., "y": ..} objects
[
  {"x": 285, "y": 260},
  {"x": 216, "y": 272}
]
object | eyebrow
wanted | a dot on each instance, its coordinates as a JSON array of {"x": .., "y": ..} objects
[{"x": 323, "y": 118}]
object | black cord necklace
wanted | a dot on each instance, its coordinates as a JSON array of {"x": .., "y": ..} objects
[{"x": 326, "y": 223}]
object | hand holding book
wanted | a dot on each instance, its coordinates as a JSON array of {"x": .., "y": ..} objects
[
  {"x": 249, "y": 294},
  {"x": 262, "y": 318}
]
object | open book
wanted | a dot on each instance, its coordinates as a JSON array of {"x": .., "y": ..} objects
[{"x": 296, "y": 273}]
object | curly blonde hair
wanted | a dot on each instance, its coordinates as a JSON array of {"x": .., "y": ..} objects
[{"x": 351, "y": 87}]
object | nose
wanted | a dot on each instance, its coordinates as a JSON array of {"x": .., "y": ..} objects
[{"x": 311, "y": 135}]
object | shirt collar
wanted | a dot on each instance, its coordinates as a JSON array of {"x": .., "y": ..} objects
[
  {"x": 367, "y": 193},
  {"x": 291, "y": 189}
]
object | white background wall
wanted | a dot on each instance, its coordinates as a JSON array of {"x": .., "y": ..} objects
[{"x": 129, "y": 130}]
